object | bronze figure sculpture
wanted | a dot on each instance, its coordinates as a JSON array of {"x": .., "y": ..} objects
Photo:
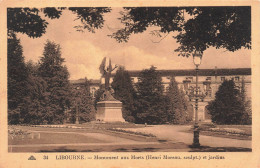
[{"x": 106, "y": 71}]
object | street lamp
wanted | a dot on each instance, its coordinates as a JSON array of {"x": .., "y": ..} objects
[
  {"x": 77, "y": 104},
  {"x": 197, "y": 57}
]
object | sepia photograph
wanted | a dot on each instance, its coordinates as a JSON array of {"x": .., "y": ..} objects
[
  {"x": 151, "y": 82},
  {"x": 95, "y": 79}
]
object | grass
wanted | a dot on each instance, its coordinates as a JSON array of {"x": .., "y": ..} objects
[
  {"x": 247, "y": 129},
  {"x": 55, "y": 138},
  {"x": 111, "y": 148},
  {"x": 100, "y": 125},
  {"x": 131, "y": 132},
  {"x": 88, "y": 125},
  {"x": 243, "y": 132},
  {"x": 220, "y": 149},
  {"x": 103, "y": 130}
]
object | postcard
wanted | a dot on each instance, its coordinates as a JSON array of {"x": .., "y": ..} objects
[{"x": 129, "y": 84}]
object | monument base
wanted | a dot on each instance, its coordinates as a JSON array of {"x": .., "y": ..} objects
[{"x": 109, "y": 111}]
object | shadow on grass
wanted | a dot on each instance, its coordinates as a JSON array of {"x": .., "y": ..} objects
[
  {"x": 59, "y": 150},
  {"x": 219, "y": 149},
  {"x": 120, "y": 150},
  {"x": 100, "y": 150},
  {"x": 145, "y": 149},
  {"x": 89, "y": 151},
  {"x": 162, "y": 140},
  {"x": 63, "y": 149}
]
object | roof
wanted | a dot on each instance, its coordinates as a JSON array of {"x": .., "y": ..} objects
[
  {"x": 94, "y": 81},
  {"x": 82, "y": 81},
  {"x": 78, "y": 81},
  {"x": 202, "y": 72},
  {"x": 179, "y": 72}
]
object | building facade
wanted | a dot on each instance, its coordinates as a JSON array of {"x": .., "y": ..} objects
[
  {"x": 93, "y": 84},
  {"x": 209, "y": 81}
]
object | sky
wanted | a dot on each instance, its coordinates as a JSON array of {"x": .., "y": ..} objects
[{"x": 84, "y": 51}]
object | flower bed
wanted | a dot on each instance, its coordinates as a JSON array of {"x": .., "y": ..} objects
[
  {"x": 15, "y": 133},
  {"x": 131, "y": 132},
  {"x": 227, "y": 129},
  {"x": 58, "y": 126}
]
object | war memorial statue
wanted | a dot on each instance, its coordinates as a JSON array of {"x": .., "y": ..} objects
[{"x": 108, "y": 109}]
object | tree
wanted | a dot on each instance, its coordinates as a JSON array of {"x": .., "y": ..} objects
[
  {"x": 247, "y": 116},
  {"x": 83, "y": 102},
  {"x": 17, "y": 79},
  {"x": 177, "y": 104},
  {"x": 98, "y": 95},
  {"x": 57, "y": 78},
  {"x": 197, "y": 28},
  {"x": 227, "y": 108},
  {"x": 124, "y": 92},
  {"x": 32, "y": 68},
  {"x": 26, "y": 90},
  {"x": 36, "y": 103},
  {"x": 151, "y": 107},
  {"x": 33, "y": 106},
  {"x": 30, "y": 21}
]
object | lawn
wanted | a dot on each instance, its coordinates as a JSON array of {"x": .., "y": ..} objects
[
  {"x": 100, "y": 125},
  {"x": 77, "y": 140},
  {"x": 85, "y": 128},
  {"x": 102, "y": 138},
  {"x": 54, "y": 138},
  {"x": 243, "y": 132}
]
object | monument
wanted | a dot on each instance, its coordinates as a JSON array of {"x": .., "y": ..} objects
[{"x": 108, "y": 109}]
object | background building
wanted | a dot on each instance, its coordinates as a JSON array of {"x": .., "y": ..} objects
[
  {"x": 209, "y": 81},
  {"x": 93, "y": 84}
]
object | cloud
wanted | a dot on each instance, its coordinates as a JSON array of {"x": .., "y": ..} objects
[
  {"x": 223, "y": 59},
  {"x": 83, "y": 52},
  {"x": 78, "y": 71},
  {"x": 82, "y": 58},
  {"x": 134, "y": 58}
]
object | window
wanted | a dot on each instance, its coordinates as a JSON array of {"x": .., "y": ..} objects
[
  {"x": 237, "y": 78},
  {"x": 167, "y": 88},
  {"x": 163, "y": 87},
  {"x": 189, "y": 78},
  {"x": 208, "y": 79},
  {"x": 186, "y": 85},
  {"x": 209, "y": 93}
]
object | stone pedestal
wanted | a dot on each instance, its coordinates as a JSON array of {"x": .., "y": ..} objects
[{"x": 109, "y": 111}]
